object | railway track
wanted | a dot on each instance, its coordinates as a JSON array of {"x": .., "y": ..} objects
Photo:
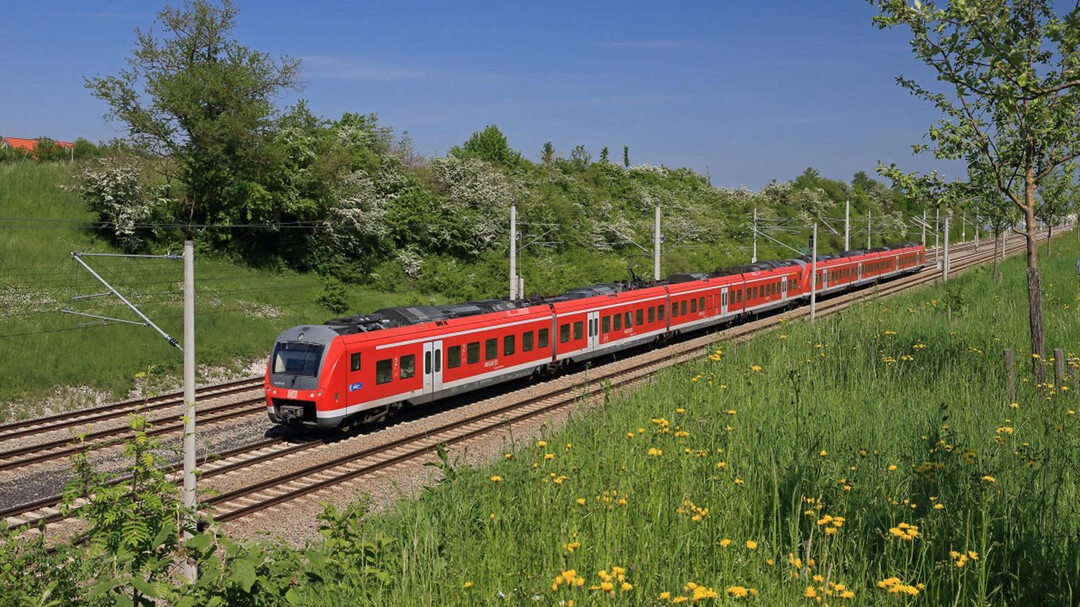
[{"x": 255, "y": 497}]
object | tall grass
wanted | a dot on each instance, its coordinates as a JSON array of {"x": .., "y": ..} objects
[{"x": 869, "y": 459}]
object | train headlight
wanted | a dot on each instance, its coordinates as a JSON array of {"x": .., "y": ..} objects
[{"x": 311, "y": 395}]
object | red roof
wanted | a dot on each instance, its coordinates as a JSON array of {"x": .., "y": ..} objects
[{"x": 28, "y": 145}]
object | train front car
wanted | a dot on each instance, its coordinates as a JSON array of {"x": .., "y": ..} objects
[{"x": 299, "y": 377}]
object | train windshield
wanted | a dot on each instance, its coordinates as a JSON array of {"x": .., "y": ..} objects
[{"x": 294, "y": 358}]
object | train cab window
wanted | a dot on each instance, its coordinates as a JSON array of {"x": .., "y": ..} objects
[
  {"x": 408, "y": 366},
  {"x": 639, "y": 317},
  {"x": 660, "y": 312},
  {"x": 527, "y": 341},
  {"x": 542, "y": 338},
  {"x": 629, "y": 320},
  {"x": 384, "y": 371},
  {"x": 618, "y": 322},
  {"x": 605, "y": 325},
  {"x": 683, "y": 306},
  {"x": 652, "y": 313},
  {"x": 508, "y": 345},
  {"x": 491, "y": 349},
  {"x": 354, "y": 361},
  {"x": 693, "y": 306},
  {"x": 472, "y": 352},
  {"x": 564, "y": 333},
  {"x": 293, "y": 358},
  {"x": 578, "y": 329},
  {"x": 453, "y": 357}
]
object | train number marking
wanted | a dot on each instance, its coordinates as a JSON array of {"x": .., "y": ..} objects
[
  {"x": 292, "y": 394},
  {"x": 356, "y": 386}
]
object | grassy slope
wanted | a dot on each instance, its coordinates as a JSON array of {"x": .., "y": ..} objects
[
  {"x": 239, "y": 311},
  {"x": 770, "y": 437}
]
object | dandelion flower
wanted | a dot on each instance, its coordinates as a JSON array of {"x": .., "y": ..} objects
[
  {"x": 496, "y": 479},
  {"x": 755, "y": 368},
  {"x": 541, "y": 443},
  {"x": 989, "y": 479},
  {"x": 467, "y": 585},
  {"x": 751, "y": 544},
  {"x": 737, "y": 592},
  {"x": 724, "y": 543},
  {"x": 580, "y": 501}
]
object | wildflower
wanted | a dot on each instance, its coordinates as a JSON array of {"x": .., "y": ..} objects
[
  {"x": 989, "y": 479},
  {"x": 731, "y": 411},
  {"x": 939, "y": 506},
  {"x": 496, "y": 479},
  {"x": 664, "y": 596},
  {"x": 572, "y": 546},
  {"x": 1014, "y": 405},
  {"x": 739, "y": 481},
  {"x": 892, "y": 468},
  {"x": 580, "y": 501},
  {"x": 751, "y": 544},
  {"x": 724, "y": 543},
  {"x": 653, "y": 451},
  {"x": 904, "y": 532},
  {"x": 721, "y": 465},
  {"x": 541, "y": 443},
  {"x": 549, "y": 456},
  {"x": 737, "y": 592},
  {"x": 680, "y": 410},
  {"x": 755, "y": 368},
  {"x": 783, "y": 336},
  {"x": 770, "y": 562},
  {"x": 823, "y": 453},
  {"x": 467, "y": 585},
  {"x": 810, "y": 592}
]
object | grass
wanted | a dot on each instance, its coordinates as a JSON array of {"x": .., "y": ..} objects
[
  {"x": 869, "y": 459},
  {"x": 239, "y": 310}
]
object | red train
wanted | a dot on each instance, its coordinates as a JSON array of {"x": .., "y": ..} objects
[{"x": 355, "y": 368}]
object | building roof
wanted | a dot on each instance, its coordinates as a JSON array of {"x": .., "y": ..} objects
[{"x": 28, "y": 145}]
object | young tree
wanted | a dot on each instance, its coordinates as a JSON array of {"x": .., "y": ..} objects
[
  {"x": 604, "y": 155},
  {"x": 548, "y": 155},
  {"x": 194, "y": 94},
  {"x": 1010, "y": 70},
  {"x": 626, "y": 156},
  {"x": 490, "y": 145},
  {"x": 1057, "y": 198}
]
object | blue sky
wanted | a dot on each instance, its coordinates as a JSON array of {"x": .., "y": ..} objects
[{"x": 748, "y": 91}]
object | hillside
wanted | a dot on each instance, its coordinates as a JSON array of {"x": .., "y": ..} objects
[{"x": 577, "y": 220}]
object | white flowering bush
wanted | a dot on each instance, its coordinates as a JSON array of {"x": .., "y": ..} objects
[
  {"x": 477, "y": 202},
  {"x": 114, "y": 188}
]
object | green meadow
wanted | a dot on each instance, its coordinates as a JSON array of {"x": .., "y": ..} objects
[{"x": 872, "y": 458}]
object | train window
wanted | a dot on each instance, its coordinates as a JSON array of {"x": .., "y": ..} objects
[
  {"x": 693, "y": 306},
  {"x": 408, "y": 366},
  {"x": 674, "y": 309},
  {"x": 652, "y": 313},
  {"x": 491, "y": 349},
  {"x": 683, "y": 306},
  {"x": 605, "y": 325},
  {"x": 564, "y": 333},
  {"x": 453, "y": 357},
  {"x": 508, "y": 345},
  {"x": 618, "y": 322},
  {"x": 527, "y": 341},
  {"x": 639, "y": 317},
  {"x": 427, "y": 363},
  {"x": 660, "y": 312},
  {"x": 628, "y": 321},
  {"x": 384, "y": 371},
  {"x": 701, "y": 303},
  {"x": 542, "y": 338},
  {"x": 578, "y": 329},
  {"x": 354, "y": 362},
  {"x": 472, "y": 352},
  {"x": 295, "y": 358}
]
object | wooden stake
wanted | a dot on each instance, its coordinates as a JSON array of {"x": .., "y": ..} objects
[{"x": 1059, "y": 366}]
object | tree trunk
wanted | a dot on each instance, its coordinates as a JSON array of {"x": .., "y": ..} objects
[
  {"x": 1049, "y": 237},
  {"x": 1035, "y": 319}
]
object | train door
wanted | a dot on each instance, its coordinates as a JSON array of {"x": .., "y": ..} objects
[
  {"x": 783, "y": 288},
  {"x": 354, "y": 380},
  {"x": 723, "y": 301},
  {"x": 433, "y": 366},
  {"x": 594, "y": 331},
  {"x": 860, "y": 270}
]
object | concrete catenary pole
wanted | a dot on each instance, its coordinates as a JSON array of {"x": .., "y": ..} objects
[
  {"x": 656, "y": 245},
  {"x": 945, "y": 264},
  {"x": 924, "y": 228},
  {"x": 937, "y": 237},
  {"x": 753, "y": 253},
  {"x": 976, "y": 233},
  {"x": 813, "y": 275},
  {"x": 868, "y": 225},
  {"x": 513, "y": 252},
  {"x": 190, "y": 493},
  {"x": 847, "y": 224},
  {"x": 963, "y": 227}
]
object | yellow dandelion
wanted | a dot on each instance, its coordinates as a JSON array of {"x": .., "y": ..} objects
[
  {"x": 580, "y": 501},
  {"x": 496, "y": 479},
  {"x": 755, "y": 368},
  {"x": 989, "y": 479},
  {"x": 467, "y": 585}
]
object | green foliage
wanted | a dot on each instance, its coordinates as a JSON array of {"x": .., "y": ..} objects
[
  {"x": 334, "y": 298},
  {"x": 489, "y": 145}
]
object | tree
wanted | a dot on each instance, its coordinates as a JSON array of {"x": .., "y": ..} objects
[
  {"x": 490, "y": 145},
  {"x": 580, "y": 158},
  {"x": 194, "y": 94},
  {"x": 1011, "y": 72},
  {"x": 1057, "y": 198},
  {"x": 604, "y": 155},
  {"x": 626, "y": 156},
  {"x": 548, "y": 155}
]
